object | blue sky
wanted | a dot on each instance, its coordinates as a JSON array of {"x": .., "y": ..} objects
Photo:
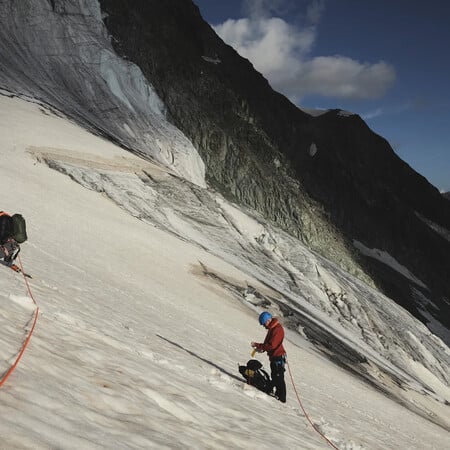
[{"x": 388, "y": 61}]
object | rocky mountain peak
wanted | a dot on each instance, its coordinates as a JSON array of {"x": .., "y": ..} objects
[{"x": 326, "y": 178}]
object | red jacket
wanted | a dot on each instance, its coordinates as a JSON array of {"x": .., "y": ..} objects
[{"x": 273, "y": 343}]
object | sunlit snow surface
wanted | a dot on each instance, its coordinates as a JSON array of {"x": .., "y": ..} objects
[
  {"x": 389, "y": 260},
  {"x": 149, "y": 288}
]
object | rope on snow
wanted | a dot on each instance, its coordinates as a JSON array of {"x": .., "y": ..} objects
[
  {"x": 306, "y": 414},
  {"x": 27, "y": 340}
]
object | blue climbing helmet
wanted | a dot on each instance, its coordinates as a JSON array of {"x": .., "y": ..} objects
[{"x": 264, "y": 317}]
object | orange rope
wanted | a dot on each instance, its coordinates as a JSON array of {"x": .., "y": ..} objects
[
  {"x": 27, "y": 340},
  {"x": 306, "y": 414}
]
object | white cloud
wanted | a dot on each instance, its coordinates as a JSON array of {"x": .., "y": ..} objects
[
  {"x": 282, "y": 53},
  {"x": 372, "y": 114},
  {"x": 339, "y": 76},
  {"x": 272, "y": 45}
]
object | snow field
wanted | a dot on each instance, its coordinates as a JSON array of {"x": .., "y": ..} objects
[{"x": 134, "y": 347}]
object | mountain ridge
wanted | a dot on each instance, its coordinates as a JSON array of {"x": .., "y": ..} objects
[{"x": 354, "y": 182}]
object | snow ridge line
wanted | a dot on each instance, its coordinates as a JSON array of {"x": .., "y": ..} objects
[
  {"x": 27, "y": 340},
  {"x": 306, "y": 414}
]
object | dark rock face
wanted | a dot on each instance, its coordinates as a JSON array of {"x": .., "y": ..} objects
[
  {"x": 327, "y": 179},
  {"x": 244, "y": 131},
  {"x": 446, "y": 195}
]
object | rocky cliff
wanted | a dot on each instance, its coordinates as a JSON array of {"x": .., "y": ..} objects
[
  {"x": 136, "y": 70},
  {"x": 328, "y": 179}
]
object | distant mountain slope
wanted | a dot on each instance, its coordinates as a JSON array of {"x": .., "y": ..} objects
[{"x": 328, "y": 179}]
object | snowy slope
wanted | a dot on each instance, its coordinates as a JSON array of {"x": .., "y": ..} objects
[
  {"x": 107, "y": 94},
  {"x": 146, "y": 310}
]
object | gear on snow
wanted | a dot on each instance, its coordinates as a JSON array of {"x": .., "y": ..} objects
[
  {"x": 12, "y": 233},
  {"x": 256, "y": 376}
]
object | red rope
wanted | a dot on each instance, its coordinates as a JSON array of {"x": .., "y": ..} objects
[
  {"x": 306, "y": 414},
  {"x": 27, "y": 340}
]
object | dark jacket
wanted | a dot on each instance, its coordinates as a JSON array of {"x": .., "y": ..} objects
[
  {"x": 5, "y": 227},
  {"x": 9, "y": 248}
]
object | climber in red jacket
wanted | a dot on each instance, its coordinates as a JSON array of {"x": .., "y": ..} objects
[{"x": 273, "y": 345}]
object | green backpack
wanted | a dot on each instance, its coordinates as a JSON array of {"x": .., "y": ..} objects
[{"x": 19, "y": 229}]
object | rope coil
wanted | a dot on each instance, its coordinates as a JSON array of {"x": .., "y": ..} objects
[{"x": 27, "y": 340}]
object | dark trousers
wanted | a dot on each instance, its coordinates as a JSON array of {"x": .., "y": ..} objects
[{"x": 277, "y": 368}]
